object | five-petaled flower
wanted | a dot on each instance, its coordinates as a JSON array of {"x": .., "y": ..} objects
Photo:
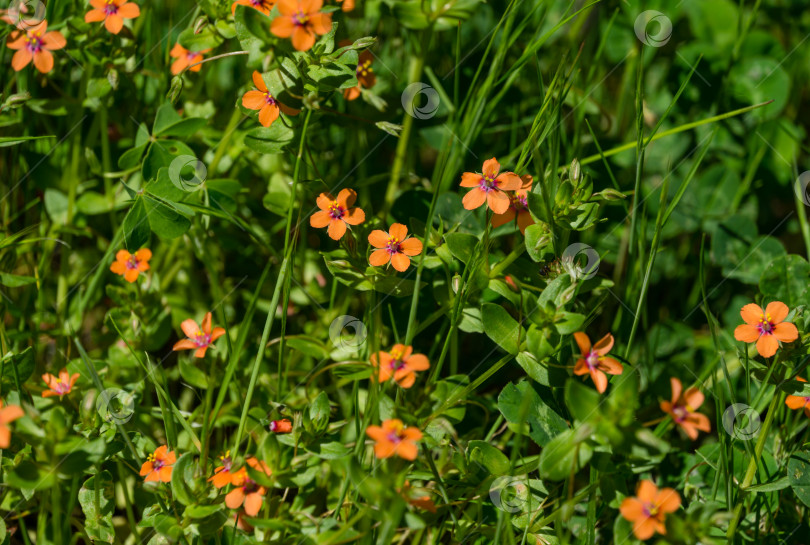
[
  {"x": 648, "y": 509},
  {"x": 365, "y": 76},
  {"x": 766, "y": 328},
  {"x": 799, "y": 402},
  {"x": 281, "y": 426},
  {"x": 8, "y": 414},
  {"x": 394, "y": 246},
  {"x": 158, "y": 466},
  {"x": 112, "y": 12},
  {"x": 260, "y": 99},
  {"x": 301, "y": 19},
  {"x": 594, "y": 360},
  {"x": 682, "y": 409},
  {"x": 59, "y": 385},
  {"x": 518, "y": 207},
  {"x": 35, "y": 43},
  {"x": 131, "y": 265},
  {"x": 186, "y": 58},
  {"x": 199, "y": 339},
  {"x": 490, "y": 187},
  {"x": 394, "y": 438},
  {"x": 265, "y": 6},
  {"x": 336, "y": 213},
  {"x": 246, "y": 491},
  {"x": 222, "y": 475},
  {"x": 400, "y": 364}
]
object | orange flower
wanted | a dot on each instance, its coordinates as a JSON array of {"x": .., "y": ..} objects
[
  {"x": 366, "y": 79},
  {"x": 158, "y": 467},
  {"x": 222, "y": 475},
  {"x": 131, "y": 265},
  {"x": 594, "y": 360},
  {"x": 59, "y": 386},
  {"x": 766, "y": 328},
  {"x": 518, "y": 207},
  {"x": 347, "y": 5},
  {"x": 281, "y": 426},
  {"x": 799, "y": 402},
  {"x": 246, "y": 491},
  {"x": 649, "y": 508},
  {"x": 262, "y": 5},
  {"x": 263, "y": 101},
  {"x": 186, "y": 58},
  {"x": 394, "y": 438},
  {"x": 337, "y": 213},
  {"x": 198, "y": 339},
  {"x": 112, "y": 12},
  {"x": 34, "y": 43},
  {"x": 682, "y": 409},
  {"x": 489, "y": 187},
  {"x": 301, "y": 19},
  {"x": 395, "y": 246},
  {"x": 400, "y": 364},
  {"x": 8, "y": 415}
]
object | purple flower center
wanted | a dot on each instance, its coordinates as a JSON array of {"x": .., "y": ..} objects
[
  {"x": 649, "y": 509},
  {"x": 61, "y": 388},
  {"x": 34, "y": 44},
  {"x": 394, "y": 437},
  {"x": 201, "y": 339},
  {"x": 256, "y": 3},
  {"x": 680, "y": 413},
  {"x": 592, "y": 360},
  {"x": 393, "y": 245},
  {"x": 110, "y": 8},
  {"x": 132, "y": 262},
  {"x": 487, "y": 184},
  {"x": 397, "y": 364},
  {"x": 519, "y": 202},
  {"x": 765, "y": 325},
  {"x": 300, "y": 19},
  {"x": 336, "y": 211},
  {"x": 157, "y": 465}
]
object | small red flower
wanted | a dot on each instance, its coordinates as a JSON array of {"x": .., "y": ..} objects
[
  {"x": 394, "y": 246},
  {"x": 131, "y": 265},
  {"x": 594, "y": 360},
  {"x": 158, "y": 467},
  {"x": 186, "y": 58},
  {"x": 394, "y": 438},
  {"x": 281, "y": 426},
  {"x": 301, "y": 19},
  {"x": 35, "y": 44},
  {"x": 198, "y": 339},
  {"x": 59, "y": 385},
  {"x": 247, "y": 491},
  {"x": 112, "y": 12},
  {"x": 649, "y": 508},
  {"x": 337, "y": 213},
  {"x": 261, "y": 100},
  {"x": 682, "y": 409},
  {"x": 400, "y": 364},
  {"x": 766, "y": 327},
  {"x": 518, "y": 207},
  {"x": 490, "y": 187}
]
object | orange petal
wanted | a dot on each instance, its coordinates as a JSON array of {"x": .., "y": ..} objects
[
  {"x": 503, "y": 219},
  {"x": 778, "y": 311},
  {"x": 190, "y": 328},
  {"x": 321, "y": 22},
  {"x": 524, "y": 220},
  {"x": 282, "y": 26},
  {"x": 631, "y": 509},
  {"x": 411, "y": 246},
  {"x": 185, "y": 344},
  {"x": 474, "y": 199},
  {"x": 130, "y": 10},
  {"x": 337, "y": 228},
  {"x": 346, "y": 198},
  {"x": 418, "y": 362},
  {"x": 581, "y": 367},
  {"x": 583, "y": 342},
  {"x": 470, "y": 179},
  {"x": 378, "y": 238},
  {"x": 509, "y": 181},
  {"x": 320, "y": 219},
  {"x": 287, "y": 7},
  {"x": 354, "y": 216},
  {"x": 268, "y": 114},
  {"x": 118, "y": 268},
  {"x": 694, "y": 398},
  {"x": 677, "y": 388},
  {"x": 324, "y": 201},
  {"x": 491, "y": 168},
  {"x": 398, "y": 231},
  {"x": 303, "y": 39},
  {"x": 599, "y": 379},
  {"x": 200, "y": 353},
  {"x": 751, "y": 313},
  {"x": 400, "y": 262},
  {"x": 144, "y": 254},
  {"x": 668, "y": 500},
  {"x": 746, "y": 333},
  {"x": 258, "y": 81},
  {"x": 217, "y": 333},
  {"x": 253, "y": 502},
  {"x": 603, "y": 345},
  {"x": 795, "y": 402},
  {"x": 644, "y": 528},
  {"x": 254, "y": 100},
  {"x": 21, "y": 59},
  {"x": 646, "y": 491},
  {"x": 497, "y": 201},
  {"x": 767, "y": 345},
  {"x": 384, "y": 449},
  {"x": 379, "y": 258},
  {"x": 407, "y": 450},
  {"x": 610, "y": 366},
  {"x": 94, "y": 16},
  {"x": 131, "y": 275},
  {"x": 114, "y": 23},
  {"x": 235, "y": 498},
  {"x": 785, "y": 332}
]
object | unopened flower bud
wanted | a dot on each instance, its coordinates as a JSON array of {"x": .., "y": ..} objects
[{"x": 200, "y": 24}]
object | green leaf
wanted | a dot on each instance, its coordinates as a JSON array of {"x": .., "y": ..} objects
[
  {"x": 565, "y": 454},
  {"x": 6, "y": 141},
  {"x": 798, "y": 472},
  {"x": 132, "y": 157},
  {"x": 495, "y": 461},
  {"x": 208, "y": 38},
  {"x": 319, "y": 412},
  {"x": 270, "y": 139},
  {"x": 165, "y": 117},
  {"x": 335, "y": 75},
  {"x": 501, "y": 327},
  {"x": 97, "y": 500},
  {"x": 538, "y": 242},
  {"x": 522, "y": 403},
  {"x": 23, "y": 362},
  {"x": 786, "y": 280},
  {"x": 165, "y": 219},
  {"x": 461, "y": 245},
  {"x": 31, "y": 476},
  {"x": 15, "y": 280},
  {"x": 182, "y": 473},
  {"x": 191, "y": 374},
  {"x": 582, "y": 401},
  {"x": 136, "y": 226},
  {"x": 161, "y": 154}
]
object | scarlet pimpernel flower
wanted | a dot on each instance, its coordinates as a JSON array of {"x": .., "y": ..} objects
[
  {"x": 222, "y": 474},
  {"x": 594, "y": 360},
  {"x": 766, "y": 327},
  {"x": 281, "y": 426},
  {"x": 490, "y": 187},
  {"x": 648, "y": 509},
  {"x": 264, "y": 6},
  {"x": 199, "y": 338},
  {"x": 260, "y": 99},
  {"x": 130, "y": 266},
  {"x": 112, "y": 12},
  {"x": 337, "y": 213},
  {"x": 799, "y": 402},
  {"x": 400, "y": 364},
  {"x": 366, "y": 78},
  {"x": 158, "y": 466},
  {"x": 394, "y": 246},
  {"x": 518, "y": 207},
  {"x": 301, "y": 19},
  {"x": 683, "y": 409},
  {"x": 394, "y": 438},
  {"x": 36, "y": 44},
  {"x": 59, "y": 385},
  {"x": 246, "y": 491},
  {"x": 8, "y": 414},
  {"x": 185, "y": 58}
]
